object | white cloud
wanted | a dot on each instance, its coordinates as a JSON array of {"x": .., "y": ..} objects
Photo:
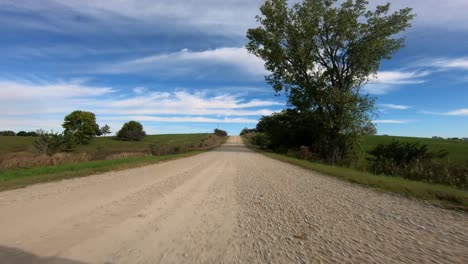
[
  {"x": 139, "y": 90},
  {"x": 11, "y": 90},
  {"x": 30, "y": 105},
  {"x": 227, "y": 17},
  {"x": 457, "y": 112},
  {"x": 390, "y": 121},
  {"x": 387, "y": 81},
  {"x": 189, "y": 62},
  {"x": 448, "y": 63},
  {"x": 395, "y": 106},
  {"x": 186, "y": 119},
  {"x": 434, "y": 13}
]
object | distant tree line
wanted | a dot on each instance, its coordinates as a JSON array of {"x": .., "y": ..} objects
[{"x": 19, "y": 134}]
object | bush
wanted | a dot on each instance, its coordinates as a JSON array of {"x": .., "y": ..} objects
[
  {"x": 131, "y": 131},
  {"x": 397, "y": 155},
  {"x": 52, "y": 143},
  {"x": 246, "y": 131},
  {"x": 220, "y": 133},
  {"x": 414, "y": 161}
]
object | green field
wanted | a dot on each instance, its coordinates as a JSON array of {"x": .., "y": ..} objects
[
  {"x": 457, "y": 150},
  {"x": 106, "y": 144}
]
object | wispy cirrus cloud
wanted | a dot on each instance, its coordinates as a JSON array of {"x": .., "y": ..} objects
[
  {"x": 13, "y": 90},
  {"x": 460, "y": 63},
  {"x": 395, "y": 106},
  {"x": 387, "y": 81},
  {"x": 456, "y": 112},
  {"x": 193, "y": 63},
  {"x": 186, "y": 119},
  {"x": 390, "y": 121}
]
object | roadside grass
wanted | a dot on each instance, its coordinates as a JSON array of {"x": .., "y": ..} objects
[
  {"x": 18, "y": 178},
  {"x": 440, "y": 195},
  {"x": 22, "y": 177}
]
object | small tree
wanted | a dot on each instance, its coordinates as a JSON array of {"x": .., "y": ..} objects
[
  {"x": 131, "y": 131},
  {"x": 82, "y": 125},
  {"x": 51, "y": 143},
  {"x": 105, "y": 130}
]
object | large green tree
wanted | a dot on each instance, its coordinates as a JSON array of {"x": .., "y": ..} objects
[
  {"x": 81, "y": 125},
  {"x": 320, "y": 53}
]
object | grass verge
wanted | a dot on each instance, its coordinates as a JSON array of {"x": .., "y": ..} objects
[
  {"x": 436, "y": 194},
  {"x": 18, "y": 178}
]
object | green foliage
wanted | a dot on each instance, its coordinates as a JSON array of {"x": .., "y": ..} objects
[
  {"x": 220, "y": 133},
  {"x": 321, "y": 53},
  {"x": 415, "y": 161},
  {"x": 261, "y": 139},
  {"x": 457, "y": 150},
  {"x": 131, "y": 131},
  {"x": 247, "y": 131},
  {"x": 402, "y": 154},
  {"x": 82, "y": 125},
  {"x": 7, "y": 133},
  {"x": 51, "y": 143}
]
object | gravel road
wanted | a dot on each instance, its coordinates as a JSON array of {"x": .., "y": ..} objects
[{"x": 229, "y": 205}]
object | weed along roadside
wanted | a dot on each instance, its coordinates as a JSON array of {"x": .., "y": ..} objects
[
  {"x": 158, "y": 148},
  {"x": 449, "y": 197}
]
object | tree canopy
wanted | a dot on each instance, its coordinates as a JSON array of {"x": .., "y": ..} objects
[
  {"x": 82, "y": 125},
  {"x": 131, "y": 131},
  {"x": 320, "y": 53}
]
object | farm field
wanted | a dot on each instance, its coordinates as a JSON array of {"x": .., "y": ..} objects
[{"x": 106, "y": 144}]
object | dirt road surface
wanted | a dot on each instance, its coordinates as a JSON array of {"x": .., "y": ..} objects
[{"x": 229, "y": 205}]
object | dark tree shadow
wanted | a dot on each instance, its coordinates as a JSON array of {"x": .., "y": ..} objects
[{"x": 10, "y": 255}]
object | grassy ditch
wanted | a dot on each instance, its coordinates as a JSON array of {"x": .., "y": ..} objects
[
  {"x": 436, "y": 194},
  {"x": 22, "y": 177}
]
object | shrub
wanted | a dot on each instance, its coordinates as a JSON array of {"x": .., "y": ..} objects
[
  {"x": 414, "y": 161},
  {"x": 246, "y": 131},
  {"x": 399, "y": 155},
  {"x": 220, "y": 133},
  {"x": 260, "y": 139},
  {"x": 51, "y": 143},
  {"x": 131, "y": 131}
]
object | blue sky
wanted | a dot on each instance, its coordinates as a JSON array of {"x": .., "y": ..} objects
[{"x": 179, "y": 66}]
